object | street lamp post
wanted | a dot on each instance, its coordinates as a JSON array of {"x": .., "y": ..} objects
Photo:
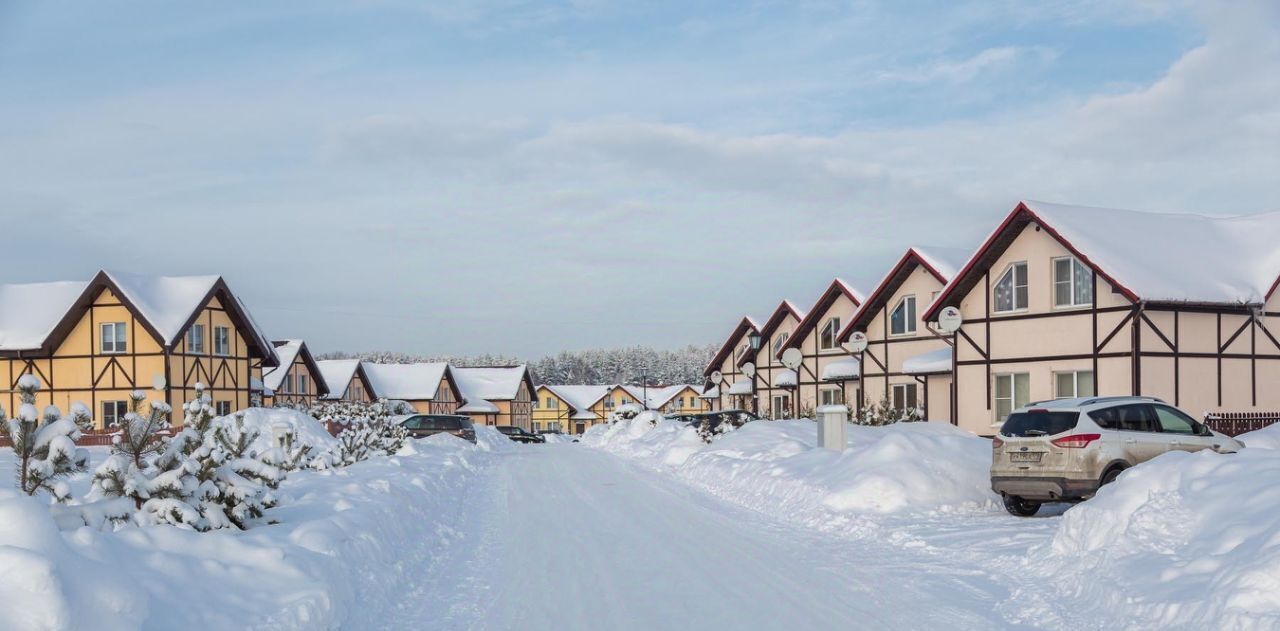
[{"x": 754, "y": 340}]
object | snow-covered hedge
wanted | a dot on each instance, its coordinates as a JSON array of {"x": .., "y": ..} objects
[{"x": 306, "y": 429}]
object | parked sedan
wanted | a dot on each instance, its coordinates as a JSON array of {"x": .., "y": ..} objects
[
  {"x": 423, "y": 425},
  {"x": 520, "y": 435}
]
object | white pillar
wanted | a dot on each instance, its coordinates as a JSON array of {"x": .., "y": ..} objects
[{"x": 831, "y": 426}]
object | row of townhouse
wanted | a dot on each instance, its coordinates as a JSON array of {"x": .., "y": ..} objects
[
  {"x": 1059, "y": 301},
  {"x": 94, "y": 342},
  {"x": 573, "y": 409}
]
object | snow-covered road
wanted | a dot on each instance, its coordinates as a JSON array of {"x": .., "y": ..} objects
[{"x": 561, "y": 536}]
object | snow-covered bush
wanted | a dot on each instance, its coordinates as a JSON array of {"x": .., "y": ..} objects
[
  {"x": 625, "y": 412},
  {"x": 716, "y": 425},
  {"x": 363, "y": 441},
  {"x": 129, "y": 471},
  {"x": 358, "y": 412},
  {"x": 44, "y": 445},
  {"x": 884, "y": 413}
]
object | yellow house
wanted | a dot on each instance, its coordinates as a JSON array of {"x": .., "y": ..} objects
[
  {"x": 733, "y": 389},
  {"x": 297, "y": 380},
  {"x": 823, "y": 377},
  {"x": 1070, "y": 301},
  {"x": 346, "y": 379},
  {"x": 676, "y": 399},
  {"x": 94, "y": 342},
  {"x": 773, "y": 394},
  {"x": 429, "y": 387},
  {"x": 571, "y": 409},
  {"x": 500, "y": 395},
  {"x": 906, "y": 361}
]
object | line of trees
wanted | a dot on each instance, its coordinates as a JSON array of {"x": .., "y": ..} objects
[{"x": 632, "y": 364}]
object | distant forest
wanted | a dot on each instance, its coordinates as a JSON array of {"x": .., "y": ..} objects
[{"x": 607, "y": 365}]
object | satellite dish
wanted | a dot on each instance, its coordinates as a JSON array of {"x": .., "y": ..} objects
[
  {"x": 158, "y": 382},
  {"x": 749, "y": 369},
  {"x": 857, "y": 342},
  {"x": 792, "y": 358},
  {"x": 949, "y": 319},
  {"x": 716, "y": 377}
]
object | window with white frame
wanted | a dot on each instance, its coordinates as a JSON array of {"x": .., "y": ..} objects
[
  {"x": 221, "y": 340},
  {"x": 693, "y": 402},
  {"x": 113, "y": 412},
  {"x": 778, "y": 341},
  {"x": 222, "y": 408},
  {"x": 286, "y": 385},
  {"x": 830, "y": 331},
  {"x": 904, "y": 396},
  {"x": 112, "y": 336},
  {"x": 902, "y": 320},
  {"x": 1012, "y": 392},
  {"x": 1069, "y": 385},
  {"x": 1010, "y": 292},
  {"x": 831, "y": 395},
  {"x": 781, "y": 406},
  {"x": 302, "y": 384},
  {"x": 195, "y": 339},
  {"x": 1072, "y": 283}
]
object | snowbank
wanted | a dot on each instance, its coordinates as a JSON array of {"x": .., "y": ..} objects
[
  {"x": 307, "y": 430},
  {"x": 1265, "y": 438},
  {"x": 343, "y": 544},
  {"x": 774, "y": 466},
  {"x": 1186, "y": 540}
]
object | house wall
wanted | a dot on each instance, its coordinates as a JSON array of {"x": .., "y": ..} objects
[
  {"x": 78, "y": 370},
  {"x": 291, "y": 395},
  {"x": 768, "y": 367},
  {"x": 551, "y": 412},
  {"x": 815, "y": 359},
  {"x": 731, "y": 373},
  {"x": 356, "y": 391},
  {"x": 686, "y": 402},
  {"x": 883, "y": 360}
]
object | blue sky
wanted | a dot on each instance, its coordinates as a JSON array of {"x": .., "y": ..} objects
[{"x": 522, "y": 177}]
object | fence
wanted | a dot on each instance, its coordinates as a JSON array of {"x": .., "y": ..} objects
[
  {"x": 1236, "y": 423},
  {"x": 95, "y": 438}
]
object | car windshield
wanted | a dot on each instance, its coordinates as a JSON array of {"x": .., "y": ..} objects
[{"x": 1039, "y": 423}]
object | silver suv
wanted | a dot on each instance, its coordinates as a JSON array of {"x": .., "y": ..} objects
[{"x": 1063, "y": 450}]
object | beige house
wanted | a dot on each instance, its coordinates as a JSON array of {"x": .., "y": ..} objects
[
  {"x": 95, "y": 341},
  {"x": 828, "y": 375},
  {"x": 906, "y": 363},
  {"x": 346, "y": 379},
  {"x": 297, "y": 380},
  {"x": 497, "y": 396},
  {"x": 429, "y": 387},
  {"x": 774, "y": 400},
  {"x": 733, "y": 389},
  {"x": 1067, "y": 301}
]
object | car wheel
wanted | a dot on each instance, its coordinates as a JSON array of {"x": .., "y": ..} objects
[
  {"x": 1111, "y": 476},
  {"x": 1020, "y": 507}
]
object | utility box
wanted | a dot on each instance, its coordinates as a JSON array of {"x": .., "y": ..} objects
[
  {"x": 832, "y": 420},
  {"x": 282, "y": 435}
]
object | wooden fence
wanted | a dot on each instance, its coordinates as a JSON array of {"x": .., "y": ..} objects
[
  {"x": 95, "y": 438},
  {"x": 1236, "y": 423}
]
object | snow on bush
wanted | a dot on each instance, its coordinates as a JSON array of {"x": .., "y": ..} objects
[
  {"x": 775, "y": 466},
  {"x": 1187, "y": 540},
  {"x": 306, "y": 429},
  {"x": 43, "y": 444}
]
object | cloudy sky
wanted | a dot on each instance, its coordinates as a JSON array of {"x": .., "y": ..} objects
[{"x": 521, "y": 177}]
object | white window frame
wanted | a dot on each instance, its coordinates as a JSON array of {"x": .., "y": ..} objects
[
  {"x": 832, "y": 323},
  {"x": 219, "y": 406},
  {"x": 118, "y": 410},
  {"x": 222, "y": 341},
  {"x": 119, "y": 339},
  {"x": 286, "y": 384},
  {"x": 1075, "y": 384},
  {"x": 779, "y": 340},
  {"x": 1075, "y": 268},
  {"x": 904, "y": 388},
  {"x": 1013, "y": 393},
  {"x": 825, "y": 395},
  {"x": 909, "y": 323},
  {"x": 1009, "y": 271},
  {"x": 302, "y": 384},
  {"x": 195, "y": 343},
  {"x": 781, "y": 404}
]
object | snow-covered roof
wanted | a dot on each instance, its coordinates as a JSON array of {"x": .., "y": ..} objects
[
  {"x": 941, "y": 262},
  {"x": 842, "y": 370},
  {"x": 286, "y": 353},
  {"x": 338, "y": 373},
  {"x": 167, "y": 302},
  {"x": 838, "y": 287},
  {"x": 710, "y": 393},
  {"x": 478, "y": 406},
  {"x": 408, "y": 382},
  {"x": 745, "y": 325},
  {"x": 29, "y": 312},
  {"x": 1158, "y": 257},
  {"x": 741, "y": 386},
  {"x": 785, "y": 379},
  {"x": 944, "y": 261},
  {"x": 498, "y": 383},
  {"x": 658, "y": 395},
  {"x": 581, "y": 398},
  {"x": 932, "y": 362}
]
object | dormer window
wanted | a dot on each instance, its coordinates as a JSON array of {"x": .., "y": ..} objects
[
  {"x": 830, "y": 331},
  {"x": 779, "y": 341},
  {"x": 902, "y": 321},
  {"x": 1011, "y": 290},
  {"x": 1072, "y": 283}
]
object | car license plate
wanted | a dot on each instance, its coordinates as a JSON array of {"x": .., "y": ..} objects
[{"x": 1026, "y": 456}]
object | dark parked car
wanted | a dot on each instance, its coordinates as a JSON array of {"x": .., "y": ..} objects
[
  {"x": 423, "y": 425},
  {"x": 520, "y": 435}
]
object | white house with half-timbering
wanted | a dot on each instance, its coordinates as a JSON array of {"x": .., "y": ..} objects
[
  {"x": 774, "y": 383},
  {"x": 827, "y": 375},
  {"x": 733, "y": 389}
]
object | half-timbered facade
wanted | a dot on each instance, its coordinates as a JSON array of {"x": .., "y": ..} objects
[
  {"x": 774, "y": 383},
  {"x": 430, "y": 387},
  {"x": 346, "y": 380},
  {"x": 817, "y": 336},
  {"x": 297, "y": 380},
  {"x": 1071, "y": 301},
  {"x": 497, "y": 396},
  {"x": 733, "y": 390},
  {"x": 94, "y": 342},
  {"x": 907, "y": 363}
]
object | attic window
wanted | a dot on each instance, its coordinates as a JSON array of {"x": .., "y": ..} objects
[
  {"x": 1011, "y": 290},
  {"x": 830, "y": 331},
  {"x": 113, "y": 337},
  {"x": 1072, "y": 283},
  {"x": 779, "y": 341},
  {"x": 902, "y": 321}
]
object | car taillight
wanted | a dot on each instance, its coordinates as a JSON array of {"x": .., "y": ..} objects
[
  {"x": 1075, "y": 441},
  {"x": 997, "y": 443}
]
